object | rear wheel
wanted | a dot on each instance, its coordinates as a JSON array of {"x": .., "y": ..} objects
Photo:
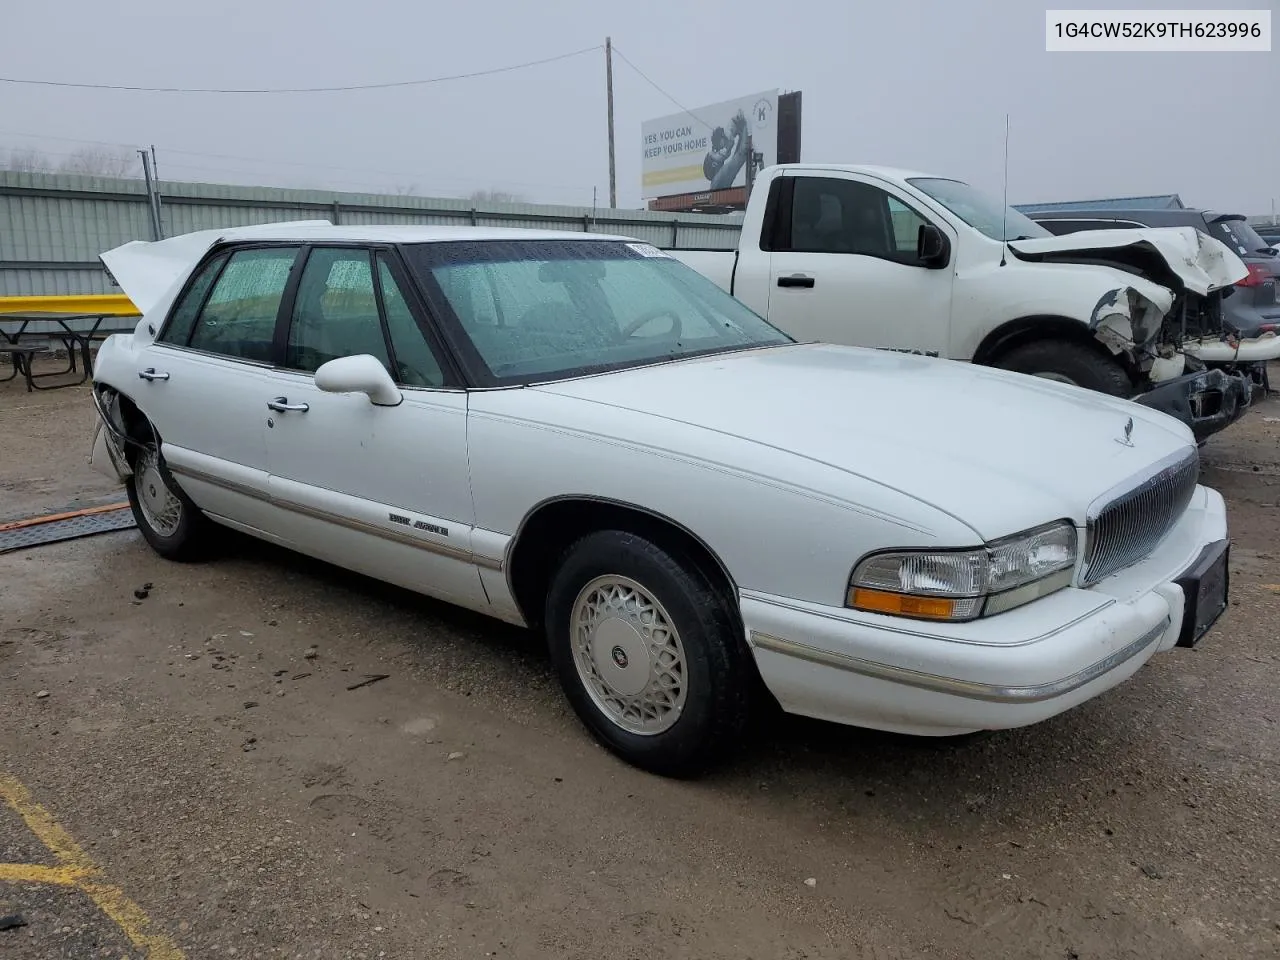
[
  {"x": 649, "y": 653},
  {"x": 168, "y": 520},
  {"x": 1068, "y": 362}
]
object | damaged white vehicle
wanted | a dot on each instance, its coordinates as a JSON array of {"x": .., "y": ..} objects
[
  {"x": 580, "y": 434},
  {"x": 886, "y": 258}
]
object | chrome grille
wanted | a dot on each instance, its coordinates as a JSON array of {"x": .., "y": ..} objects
[{"x": 1125, "y": 528}]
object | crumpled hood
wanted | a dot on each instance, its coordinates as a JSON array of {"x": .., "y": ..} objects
[
  {"x": 147, "y": 270},
  {"x": 1201, "y": 262},
  {"x": 999, "y": 451}
]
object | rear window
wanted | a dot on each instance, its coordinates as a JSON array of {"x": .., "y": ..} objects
[{"x": 1239, "y": 236}]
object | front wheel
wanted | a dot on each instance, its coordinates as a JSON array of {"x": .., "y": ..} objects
[
  {"x": 168, "y": 520},
  {"x": 1067, "y": 362},
  {"x": 649, "y": 653}
]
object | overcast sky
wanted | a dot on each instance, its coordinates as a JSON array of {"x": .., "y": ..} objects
[{"x": 919, "y": 83}]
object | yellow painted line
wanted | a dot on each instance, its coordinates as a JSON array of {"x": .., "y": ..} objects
[
  {"x": 34, "y": 873},
  {"x": 41, "y": 823},
  {"x": 95, "y": 304},
  {"x": 77, "y": 870}
]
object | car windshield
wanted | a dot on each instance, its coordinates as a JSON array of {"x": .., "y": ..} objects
[
  {"x": 980, "y": 211},
  {"x": 533, "y": 310},
  {"x": 1240, "y": 237}
]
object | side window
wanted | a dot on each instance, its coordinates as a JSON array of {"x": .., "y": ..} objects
[
  {"x": 178, "y": 329},
  {"x": 416, "y": 363},
  {"x": 239, "y": 318},
  {"x": 845, "y": 216},
  {"x": 906, "y": 224},
  {"x": 335, "y": 313}
]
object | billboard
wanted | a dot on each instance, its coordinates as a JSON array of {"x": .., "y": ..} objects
[{"x": 709, "y": 148}]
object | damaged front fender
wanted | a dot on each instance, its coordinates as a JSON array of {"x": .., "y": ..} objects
[{"x": 1128, "y": 321}]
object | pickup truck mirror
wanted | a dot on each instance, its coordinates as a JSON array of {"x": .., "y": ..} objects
[{"x": 933, "y": 250}]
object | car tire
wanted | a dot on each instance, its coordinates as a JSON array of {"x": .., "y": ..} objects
[
  {"x": 665, "y": 681},
  {"x": 1067, "y": 362},
  {"x": 167, "y": 519}
]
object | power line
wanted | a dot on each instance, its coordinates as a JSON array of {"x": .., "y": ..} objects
[
  {"x": 280, "y": 90},
  {"x": 644, "y": 76}
]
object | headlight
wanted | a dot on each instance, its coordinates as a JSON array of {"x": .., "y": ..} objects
[{"x": 966, "y": 584}]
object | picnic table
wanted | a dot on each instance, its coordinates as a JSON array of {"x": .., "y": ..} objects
[{"x": 22, "y": 337}]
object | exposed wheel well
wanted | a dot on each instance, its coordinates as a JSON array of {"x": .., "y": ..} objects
[
  {"x": 1016, "y": 333},
  {"x": 133, "y": 422},
  {"x": 556, "y": 525}
]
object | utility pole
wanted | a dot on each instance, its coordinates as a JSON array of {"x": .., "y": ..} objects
[
  {"x": 608, "y": 71},
  {"x": 155, "y": 174},
  {"x": 151, "y": 199}
]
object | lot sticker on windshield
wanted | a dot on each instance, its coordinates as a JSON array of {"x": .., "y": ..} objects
[{"x": 648, "y": 250}]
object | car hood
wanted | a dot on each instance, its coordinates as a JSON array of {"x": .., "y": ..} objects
[
  {"x": 147, "y": 270},
  {"x": 1200, "y": 262},
  {"x": 999, "y": 451}
]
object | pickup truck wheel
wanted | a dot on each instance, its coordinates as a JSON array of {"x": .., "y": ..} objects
[
  {"x": 168, "y": 520},
  {"x": 649, "y": 653},
  {"x": 1067, "y": 362}
]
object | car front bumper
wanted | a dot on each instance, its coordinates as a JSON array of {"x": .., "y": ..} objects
[
  {"x": 1010, "y": 670},
  {"x": 1207, "y": 401}
]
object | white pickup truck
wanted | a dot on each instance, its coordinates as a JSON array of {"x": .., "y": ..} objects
[{"x": 886, "y": 258}]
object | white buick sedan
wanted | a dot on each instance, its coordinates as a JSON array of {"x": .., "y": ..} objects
[{"x": 579, "y": 434}]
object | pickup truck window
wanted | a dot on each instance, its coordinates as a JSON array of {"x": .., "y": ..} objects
[
  {"x": 526, "y": 311},
  {"x": 980, "y": 211},
  {"x": 830, "y": 215}
]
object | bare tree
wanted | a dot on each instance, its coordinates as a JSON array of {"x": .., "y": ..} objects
[
  {"x": 101, "y": 162},
  {"x": 28, "y": 160},
  {"x": 405, "y": 190},
  {"x": 494, "y": 196}
]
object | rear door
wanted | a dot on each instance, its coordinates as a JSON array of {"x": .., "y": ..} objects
[
  {"x": 844, "y": 268},
  {"x": 201, "y": 377},
  {"x": 383, "y": 490}
]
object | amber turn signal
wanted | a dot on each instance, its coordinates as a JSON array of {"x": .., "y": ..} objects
[{"x": 882, "y": 601}]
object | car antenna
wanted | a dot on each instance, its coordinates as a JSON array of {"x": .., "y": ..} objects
[{"x": 1004, "y": 226}]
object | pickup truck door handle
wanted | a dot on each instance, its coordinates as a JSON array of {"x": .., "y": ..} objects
[
  {"x": 796, "y": 280},
  {"x": 282, "y": 404},
  {"x": 152, "y": 374}
]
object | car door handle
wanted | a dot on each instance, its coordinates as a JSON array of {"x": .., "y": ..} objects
[
  {"x": 152, "y": 374},
  {"x": 282, "y": 404},
  {"x": 796, "y": 280}
]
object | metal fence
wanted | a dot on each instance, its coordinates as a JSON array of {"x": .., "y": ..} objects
[{"x": 53, "y": 226}]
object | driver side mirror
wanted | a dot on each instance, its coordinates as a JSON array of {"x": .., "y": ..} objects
[
  {"x": 933, "y": 249},
  {"x": 362, "y": 373}
]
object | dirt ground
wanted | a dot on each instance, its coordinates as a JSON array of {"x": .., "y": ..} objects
[{"x": 249, "y": 804}]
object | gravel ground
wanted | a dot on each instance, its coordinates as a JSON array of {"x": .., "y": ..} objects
[{"x": 254, "y": 806}]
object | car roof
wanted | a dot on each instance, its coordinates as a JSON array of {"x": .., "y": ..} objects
[{"x": 392, "y": 233}]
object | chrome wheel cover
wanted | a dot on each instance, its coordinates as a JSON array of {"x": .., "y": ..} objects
[
  {"x": 628, "y": 655},
  {"x": 159, "y": 505}
]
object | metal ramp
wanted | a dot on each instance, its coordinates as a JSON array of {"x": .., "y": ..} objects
[{"x": 68, "y": 525}]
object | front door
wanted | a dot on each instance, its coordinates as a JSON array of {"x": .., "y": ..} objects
[
  {"x": 846, "y": 270},
  {"x": 203, "y": 374},
  {"x": 382, "y": 490}
]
